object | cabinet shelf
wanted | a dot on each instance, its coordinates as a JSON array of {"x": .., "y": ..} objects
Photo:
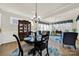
[{"x": 24, "y": 28}]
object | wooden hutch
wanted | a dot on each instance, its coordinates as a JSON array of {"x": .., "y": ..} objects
[{"x": 24, "y": 29}]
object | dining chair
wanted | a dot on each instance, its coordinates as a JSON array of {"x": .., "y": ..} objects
[
  {"x": 69, "y": 38},
  {"x": 39, "y": 46},
  {"x": 19, "y": 45},
  {"x": 43, "y": 44}
]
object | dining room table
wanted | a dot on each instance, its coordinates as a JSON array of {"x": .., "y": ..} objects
[{"x": 34, "y": 40}]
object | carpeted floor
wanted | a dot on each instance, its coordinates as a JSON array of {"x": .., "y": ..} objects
[
  {"x": 52, "y": 48},
  {"x": 52, "y": 52},
  {"x": 55, "y": 48}
]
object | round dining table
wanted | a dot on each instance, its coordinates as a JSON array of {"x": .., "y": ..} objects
[{"x": 33, "y": 39}]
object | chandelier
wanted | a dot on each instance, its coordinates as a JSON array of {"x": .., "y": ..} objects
[{"x": 36, "y": 18}]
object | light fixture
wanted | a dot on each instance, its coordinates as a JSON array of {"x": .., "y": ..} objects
[{"x": 36, "y": 18}]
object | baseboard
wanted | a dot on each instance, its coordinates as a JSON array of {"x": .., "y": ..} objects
[{"x": 7, "y": 43}]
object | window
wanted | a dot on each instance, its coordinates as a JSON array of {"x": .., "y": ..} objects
[
  {"x": 44, "y": 27},
  {"x": 0, "y": 20},
  {"x": 14, "y": 20},
  {"x": 78, "y": 26},
  {"x": 63, "y": 27}
]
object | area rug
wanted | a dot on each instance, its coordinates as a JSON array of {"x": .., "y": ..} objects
[{"x": 52, "y": 52}]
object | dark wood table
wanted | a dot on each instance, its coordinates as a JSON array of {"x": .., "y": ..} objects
[
  {"x": 35, "y": 40},
  {"x": 32, "y": 40}
]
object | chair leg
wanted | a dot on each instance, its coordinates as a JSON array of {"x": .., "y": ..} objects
[
  {"x": 75, "y": 47},
  {"x": 40, "y": 52},
  {"x": 19, "y": 53},
  {"x": 47, "y": 52},
  {"x": 34, "y": 53}
]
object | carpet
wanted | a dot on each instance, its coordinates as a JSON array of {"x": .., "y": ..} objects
[{"x": 52, "y": 52}]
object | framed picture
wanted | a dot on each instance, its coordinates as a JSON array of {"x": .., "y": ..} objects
[{"x": 14, "y": 20}]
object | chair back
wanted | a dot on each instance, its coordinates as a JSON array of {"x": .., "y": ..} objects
[
  {"x": 40, "y": 33},
  {"x": 41, "y": 45},
  {"x": 69, "y": 38},
  {"x": 19, "y": 45},
  {"x": 45, "y": 39}
]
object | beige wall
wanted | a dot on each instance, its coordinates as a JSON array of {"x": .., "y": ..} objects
[
  {"x": 5, "y": 21},
  {"x": 8, "y": 29}
]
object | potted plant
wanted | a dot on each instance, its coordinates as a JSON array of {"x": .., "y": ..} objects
[
  {"x": 74, "y": 30},
  {"x": 0, "y": 29},
  {"x": 66, "y": 30}
]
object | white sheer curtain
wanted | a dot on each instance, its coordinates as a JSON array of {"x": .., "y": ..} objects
[
  {"x": 44, "y": 27},
  {"x": 0, "y": 30},
  {"x": 63, "y": 27},
  {"x": 78, "y": 26},
  {"x": 0, "y": 20}
]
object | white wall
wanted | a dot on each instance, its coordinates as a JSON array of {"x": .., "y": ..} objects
[
  {"x": 0, "y": 28},
  {"x": 8, "y": 29},
  {"x": 0, "y": 20}
]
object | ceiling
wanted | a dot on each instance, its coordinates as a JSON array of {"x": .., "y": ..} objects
[{"x": 44, "y": 10}]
